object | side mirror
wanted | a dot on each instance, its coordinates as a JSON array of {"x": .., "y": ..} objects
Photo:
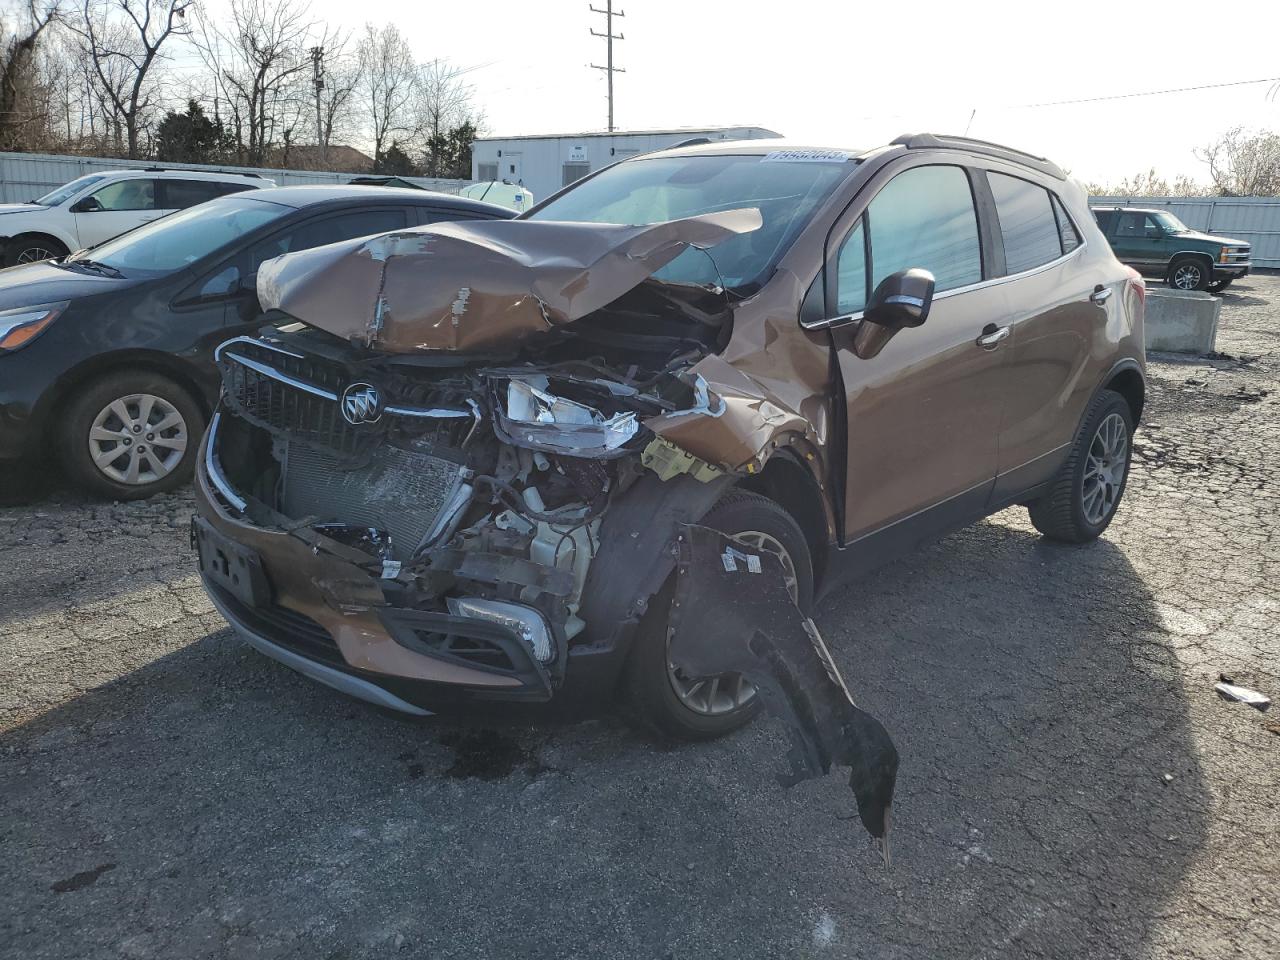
[
  {"x": 87, "y": 205},
  {"x": 900, "y": 300}
]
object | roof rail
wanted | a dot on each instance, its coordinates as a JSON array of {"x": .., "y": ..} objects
[
  {"x": 225, "y": 173},
  {"x": 691, "y": 142},
  {"x": 931, "y": 141}
]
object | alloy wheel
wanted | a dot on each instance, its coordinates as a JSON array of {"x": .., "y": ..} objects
[
  {"x": 1105, "y": 468},
  {"x": 35, "y": 254},
  {"x": 714, "y": 696},
  {"x": 138, "y": 439},
  {"x": 1187, "y": 277}
]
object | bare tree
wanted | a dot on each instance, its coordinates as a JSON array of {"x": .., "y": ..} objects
[
  {"x": 258, "y": 59},
  {"x": 343, "y": 73},
  {"x": 1150, "y": 184},
  {"x": 123, "y": 39},
  {"x": 1244, "y": 163},
  {"x": 21, "y": 110},
  {"x": 387, "y": 85},
  {"x": 445, "y": 101}
]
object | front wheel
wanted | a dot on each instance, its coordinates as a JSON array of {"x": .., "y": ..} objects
[
  {"x": 1188, "y": 273},
  {"x": 681, "y": 707},
  {"x": 130, "y": 435},
  {"x": 1083, "y": 498},
  {"x": 32, "y": 249}
]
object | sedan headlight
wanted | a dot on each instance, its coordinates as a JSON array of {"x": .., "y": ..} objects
[
  {"x": 20, "y": 326},
  {"x": 527, "y": 622}
]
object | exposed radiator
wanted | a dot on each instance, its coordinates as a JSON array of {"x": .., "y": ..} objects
[{"x": 399, "y": 491}]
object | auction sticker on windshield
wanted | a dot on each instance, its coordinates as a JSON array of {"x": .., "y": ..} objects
[{"x": 807, "y": 156}]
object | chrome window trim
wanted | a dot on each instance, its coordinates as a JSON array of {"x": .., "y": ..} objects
[{"x": 969, "y": 288}]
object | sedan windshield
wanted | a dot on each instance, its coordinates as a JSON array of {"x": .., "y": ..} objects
[
  {"x": 1170, "y": 223},
  {"x": 785, "y": 186},
  {"x": 55, "y": 197},
  {"x": 182, "y": 238}
]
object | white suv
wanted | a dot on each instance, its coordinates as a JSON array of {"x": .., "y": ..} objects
[{"x": 99, "y": 206}]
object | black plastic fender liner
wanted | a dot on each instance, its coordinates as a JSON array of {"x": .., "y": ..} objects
[
  {"x": 732, "y": 613},
  {"x": 638, "y": 549}
]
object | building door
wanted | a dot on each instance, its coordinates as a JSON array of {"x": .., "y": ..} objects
[{"x": 512, "y": 167}]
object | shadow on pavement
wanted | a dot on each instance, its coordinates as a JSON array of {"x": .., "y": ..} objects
[{"x": 210, "y": 803}]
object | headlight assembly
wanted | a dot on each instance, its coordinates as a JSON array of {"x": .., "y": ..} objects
[{"x": 20, "y": 326}]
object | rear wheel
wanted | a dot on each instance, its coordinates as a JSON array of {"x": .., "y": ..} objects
[
  {"x": 1188, "y": 273},
  {"x": 1083, "y": 498},
  {"x": 130, "y": 435},
  {"x": 682, "y": 707},
  {"x": 32, "y": 248}
]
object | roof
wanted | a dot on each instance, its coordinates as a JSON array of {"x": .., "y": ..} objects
[
  {"x": 750, "y": 147},
  {"x": 1125, "y": 206},
  {"x": 668, "y": 132},
  {"x": 304, "y": 196},
  {"x": 183, "y": 173}
]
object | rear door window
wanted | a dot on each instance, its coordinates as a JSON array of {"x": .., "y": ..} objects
[
  {"x": 1027, "y": 222},
  {"x": 925, "y": 217},
  {"x": 180, "y": 194},
  {"x": 1130, "y": 225}
]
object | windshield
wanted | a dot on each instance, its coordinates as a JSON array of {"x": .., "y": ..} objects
[
  {"x": 182, "y": 238},
  {"x": 785, "y": 189},
  {"x": 1170, "y": 223},
  {"x": 55, "y": 197}
]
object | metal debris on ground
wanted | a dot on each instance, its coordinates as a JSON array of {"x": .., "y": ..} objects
[{"x": 1230, "y": 691}]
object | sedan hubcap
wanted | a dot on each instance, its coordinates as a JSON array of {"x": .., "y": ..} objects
[
  {"x": 138, "y": 439},
  {"x": 1105, "y": 468},
  {"x": 1186, "y": 277},
  {"x": 715, "y": 696}
]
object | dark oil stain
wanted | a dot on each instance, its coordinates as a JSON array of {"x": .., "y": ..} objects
[
  {"x": 82, "y": 879},
  {"x": 488, "y": 755}
]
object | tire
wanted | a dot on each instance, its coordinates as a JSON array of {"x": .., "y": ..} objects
[
  {"x": 32, "y": 248},
  {"x": 652, "y": 684},
  {"x": 106, "y": 416},
  {"x": 1083, "y": 498},
  {"x": 1219, "y": 285},
  {"x": 1188, "y": 273}
]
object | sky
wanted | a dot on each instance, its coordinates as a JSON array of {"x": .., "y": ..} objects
[{"x": 859, "y": 74}]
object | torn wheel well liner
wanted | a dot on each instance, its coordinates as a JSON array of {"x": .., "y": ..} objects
[{"x": 791, "y": 486}]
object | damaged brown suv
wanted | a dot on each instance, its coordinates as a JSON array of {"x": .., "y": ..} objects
[{"x": 609, "y": 447}]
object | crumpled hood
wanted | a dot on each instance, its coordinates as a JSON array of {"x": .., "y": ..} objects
[{"x": 476, "y": 285}]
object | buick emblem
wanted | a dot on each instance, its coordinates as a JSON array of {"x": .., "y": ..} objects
[{"x": 361, "y": 404}]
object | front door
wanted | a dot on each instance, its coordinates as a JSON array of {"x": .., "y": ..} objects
[
  {"x": 1138, "y": 239},
  {"x": 512, "y": 167},
  {"x": 924, "y": 414},
  {"x": 115, "y": 209}
]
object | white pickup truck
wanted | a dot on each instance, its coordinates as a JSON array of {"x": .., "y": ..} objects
[{"x": 99, "y": 206}]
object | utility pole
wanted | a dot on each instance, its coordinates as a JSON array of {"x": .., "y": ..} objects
[
  {"x": 317, "y": 77},
  {"x": 609, "y": 36}
]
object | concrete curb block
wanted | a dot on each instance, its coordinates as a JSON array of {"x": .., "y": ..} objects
[{"x": 1181, "y": 321}]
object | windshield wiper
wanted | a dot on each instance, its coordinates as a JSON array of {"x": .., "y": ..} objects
[{"x": 102, "y": 268}]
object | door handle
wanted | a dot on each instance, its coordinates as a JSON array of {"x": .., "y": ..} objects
[
  {"x": 992, "y": 336},
  {"x": 1100, "y": 294}
]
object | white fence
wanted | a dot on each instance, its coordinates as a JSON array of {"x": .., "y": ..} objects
[
  {"x": 25, "y": 176},
  {"x": 1255, "y": 219}
]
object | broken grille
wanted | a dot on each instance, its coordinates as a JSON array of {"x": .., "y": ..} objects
[{"x": 292, "y": 395}]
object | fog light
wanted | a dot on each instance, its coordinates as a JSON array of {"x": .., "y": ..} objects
[{"x": 528, "y": 623}]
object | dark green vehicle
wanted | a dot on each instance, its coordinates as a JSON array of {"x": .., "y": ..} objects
[{"x": 1156, "y": 243}]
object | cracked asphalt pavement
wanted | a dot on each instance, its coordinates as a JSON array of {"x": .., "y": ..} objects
[{"x": 1071, "y": 786}]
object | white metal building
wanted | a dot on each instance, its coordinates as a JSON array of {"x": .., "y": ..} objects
[{"x": 546, "y": 162}]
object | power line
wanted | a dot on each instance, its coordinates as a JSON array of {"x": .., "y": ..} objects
[
  {"x": 1148, "y": 93},
  {"x": 609, "y": 69}
]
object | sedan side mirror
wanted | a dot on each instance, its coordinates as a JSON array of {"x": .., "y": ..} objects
[
  {"x": 900, "y": 300},
  {"x": 87, "y": 205}
]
